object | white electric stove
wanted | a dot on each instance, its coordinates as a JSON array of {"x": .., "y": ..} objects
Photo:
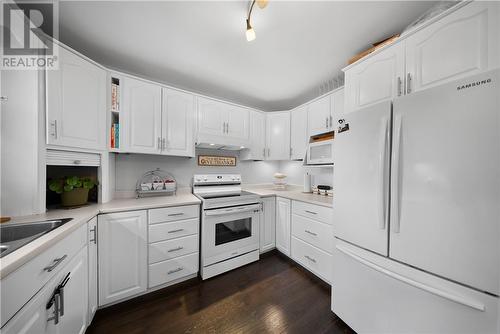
[{"x": 229, "y": 223}]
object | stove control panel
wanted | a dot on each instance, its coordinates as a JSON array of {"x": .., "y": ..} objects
[{"x": 216, "y": 178}]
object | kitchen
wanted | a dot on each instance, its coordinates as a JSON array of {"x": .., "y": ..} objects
[{"x": 227, "y": 179}]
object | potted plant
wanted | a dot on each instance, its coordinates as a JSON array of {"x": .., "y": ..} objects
[{"x": 74, "y": 190}]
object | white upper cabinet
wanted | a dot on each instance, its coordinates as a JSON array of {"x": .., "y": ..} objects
[
  {"x": 178, "y": 119},
  {"x": 257, "y": 148},
  {"x": 298, "y": 133},
  {"x": 375, "y": 79},
  {"x": 76, "y": 103},
  {"x": 222, "y": 123},
  {"x": 238, "y": 124},
  {"x": 211, "y": 118},
  {"x": 319, "y": 116},
  {"x": 142, "y": 123},
  {"x": 278, "y": 135},
  {"x": 463, "y": 43}
]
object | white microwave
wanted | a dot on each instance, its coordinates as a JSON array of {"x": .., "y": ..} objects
[{"x": 320, "y": 153}]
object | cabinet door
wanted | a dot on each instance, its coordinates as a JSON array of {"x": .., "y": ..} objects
[
  {"x": 122, "y": 239},
  {"x": 337, "y": 103},
  {"x": 463, "y": 43},
  {"x": 298, "y": 133},
  {"x": 278, "y": 135},
  {"x": 76, "y": 103},
  {"x": 178, "y": 123},
  {"x": 142, "y": 109},
  {"x": 319, "y": 116},
  {"x": 211, "y": 119},
  {"x": 283, "y": 225},
  {"x": 92, "y": 265},
  {"x": 34, "y": 316},
  {"x": 376, "y": 79},
  {"x": 268, "y": 224},
  {"x": 75, "y": 296},
  {"x": 238, "y": 125},
  {"x": 257, "y": 148}
]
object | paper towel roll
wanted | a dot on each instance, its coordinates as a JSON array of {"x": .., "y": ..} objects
[{"x": 307, "y": 183}]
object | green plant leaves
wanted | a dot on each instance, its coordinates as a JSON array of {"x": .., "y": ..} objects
[{"x": 69, "y": 183}]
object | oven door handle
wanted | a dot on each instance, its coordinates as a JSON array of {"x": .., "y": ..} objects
[{"x": 232, "y": 210}]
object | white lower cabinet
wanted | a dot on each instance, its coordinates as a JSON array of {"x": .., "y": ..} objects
[
  {"x": 268, "y": 224},
  {"x": 38, "y": 316},
  {"x": 283, "y": 225},
  {"x": 123, "y": 255},
  {"x": 173, "y": 244},
  {"x": 312, "y": 238},
  {"x": 92, "y": 265}
]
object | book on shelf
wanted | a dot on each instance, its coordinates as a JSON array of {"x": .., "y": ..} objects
[
  {"x": 117, "y": 135},
  {"x": 115, "y": 105},
  {"x": 113, "y": 136}
]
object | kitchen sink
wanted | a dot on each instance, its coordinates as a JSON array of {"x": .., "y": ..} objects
[{"x": 16, "y": 235}]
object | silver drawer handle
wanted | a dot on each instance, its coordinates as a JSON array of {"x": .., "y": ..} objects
[
  {"x": 175, "y": 231},
  {"x": 175, "y": 214},
  {"x": 175, "y": 249},
  {"x": 311, "y": 212},
  {"x": 310, "y": 258},
  {"x": 95, "y": 236},
  {"x": 174, "y": 271},
  {"x": 55, "y": 263},
  {"x": 311, "y": 233}
]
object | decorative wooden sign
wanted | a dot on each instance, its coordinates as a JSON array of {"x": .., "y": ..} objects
[{"x": 214, "y": 160}]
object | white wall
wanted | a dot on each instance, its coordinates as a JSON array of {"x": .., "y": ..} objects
[{"x": 130, "y": 167}]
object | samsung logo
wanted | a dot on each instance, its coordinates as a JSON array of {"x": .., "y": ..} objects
[{"x": 473, "y": 84}]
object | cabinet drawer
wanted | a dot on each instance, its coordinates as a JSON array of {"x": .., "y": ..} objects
[
  {"x": 19, "y": 286},
  {"x": 166, "y": 271},
  {"x": 316, "y": 212},
  {"x": 312, "y": 258},
  {"x": 167, "y": 250},
  {"x": 175, "y": 213},
  {"x": 317, "y": 234},
  {"x": 160, "y": 232}
]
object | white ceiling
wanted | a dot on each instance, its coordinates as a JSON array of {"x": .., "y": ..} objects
[{"x": 201, "y": 45}]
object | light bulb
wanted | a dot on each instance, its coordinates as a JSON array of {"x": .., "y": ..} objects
[{"x": 250, "y": 34}]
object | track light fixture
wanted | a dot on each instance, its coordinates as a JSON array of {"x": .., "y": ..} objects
[{"x": 250, "y": 33}]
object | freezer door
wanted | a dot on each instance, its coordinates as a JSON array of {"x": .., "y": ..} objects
[
  {"x": 374, "y": 294},
  {"x": 445, "y": 181},
  {"x": 361, "y": 178}
]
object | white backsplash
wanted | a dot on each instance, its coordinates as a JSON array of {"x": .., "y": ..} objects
[
  {"x": 130, "y": 167},
  {"x": 295, "y": 173}
]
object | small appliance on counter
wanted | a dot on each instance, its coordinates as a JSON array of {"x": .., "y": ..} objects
[
  {"x": 322, "y": 190},
  {"x": 279, "y": 181}
]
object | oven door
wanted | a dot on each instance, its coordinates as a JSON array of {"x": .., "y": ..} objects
[{"x": 229, "y": 232}]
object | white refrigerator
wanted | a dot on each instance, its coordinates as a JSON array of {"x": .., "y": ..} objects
[{"x": 417, "y": 212}]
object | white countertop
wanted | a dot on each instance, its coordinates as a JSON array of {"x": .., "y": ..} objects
[
  {"x": 80, "y": 216},
  {"x": 291, "y": 192},
  {"x": 14, "y": 260}
]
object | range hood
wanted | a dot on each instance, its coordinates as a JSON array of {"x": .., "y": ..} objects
[{"x": 215, "y": 146}]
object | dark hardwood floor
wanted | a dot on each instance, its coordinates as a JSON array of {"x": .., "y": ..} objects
[{"x": 273, "y": 295}]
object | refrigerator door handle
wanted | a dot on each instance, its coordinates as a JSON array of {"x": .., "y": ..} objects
[
  {"x": 430, "y": 289},
  {"x": 395, "y": 175},
  {"x": 383, "y": 167}
]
